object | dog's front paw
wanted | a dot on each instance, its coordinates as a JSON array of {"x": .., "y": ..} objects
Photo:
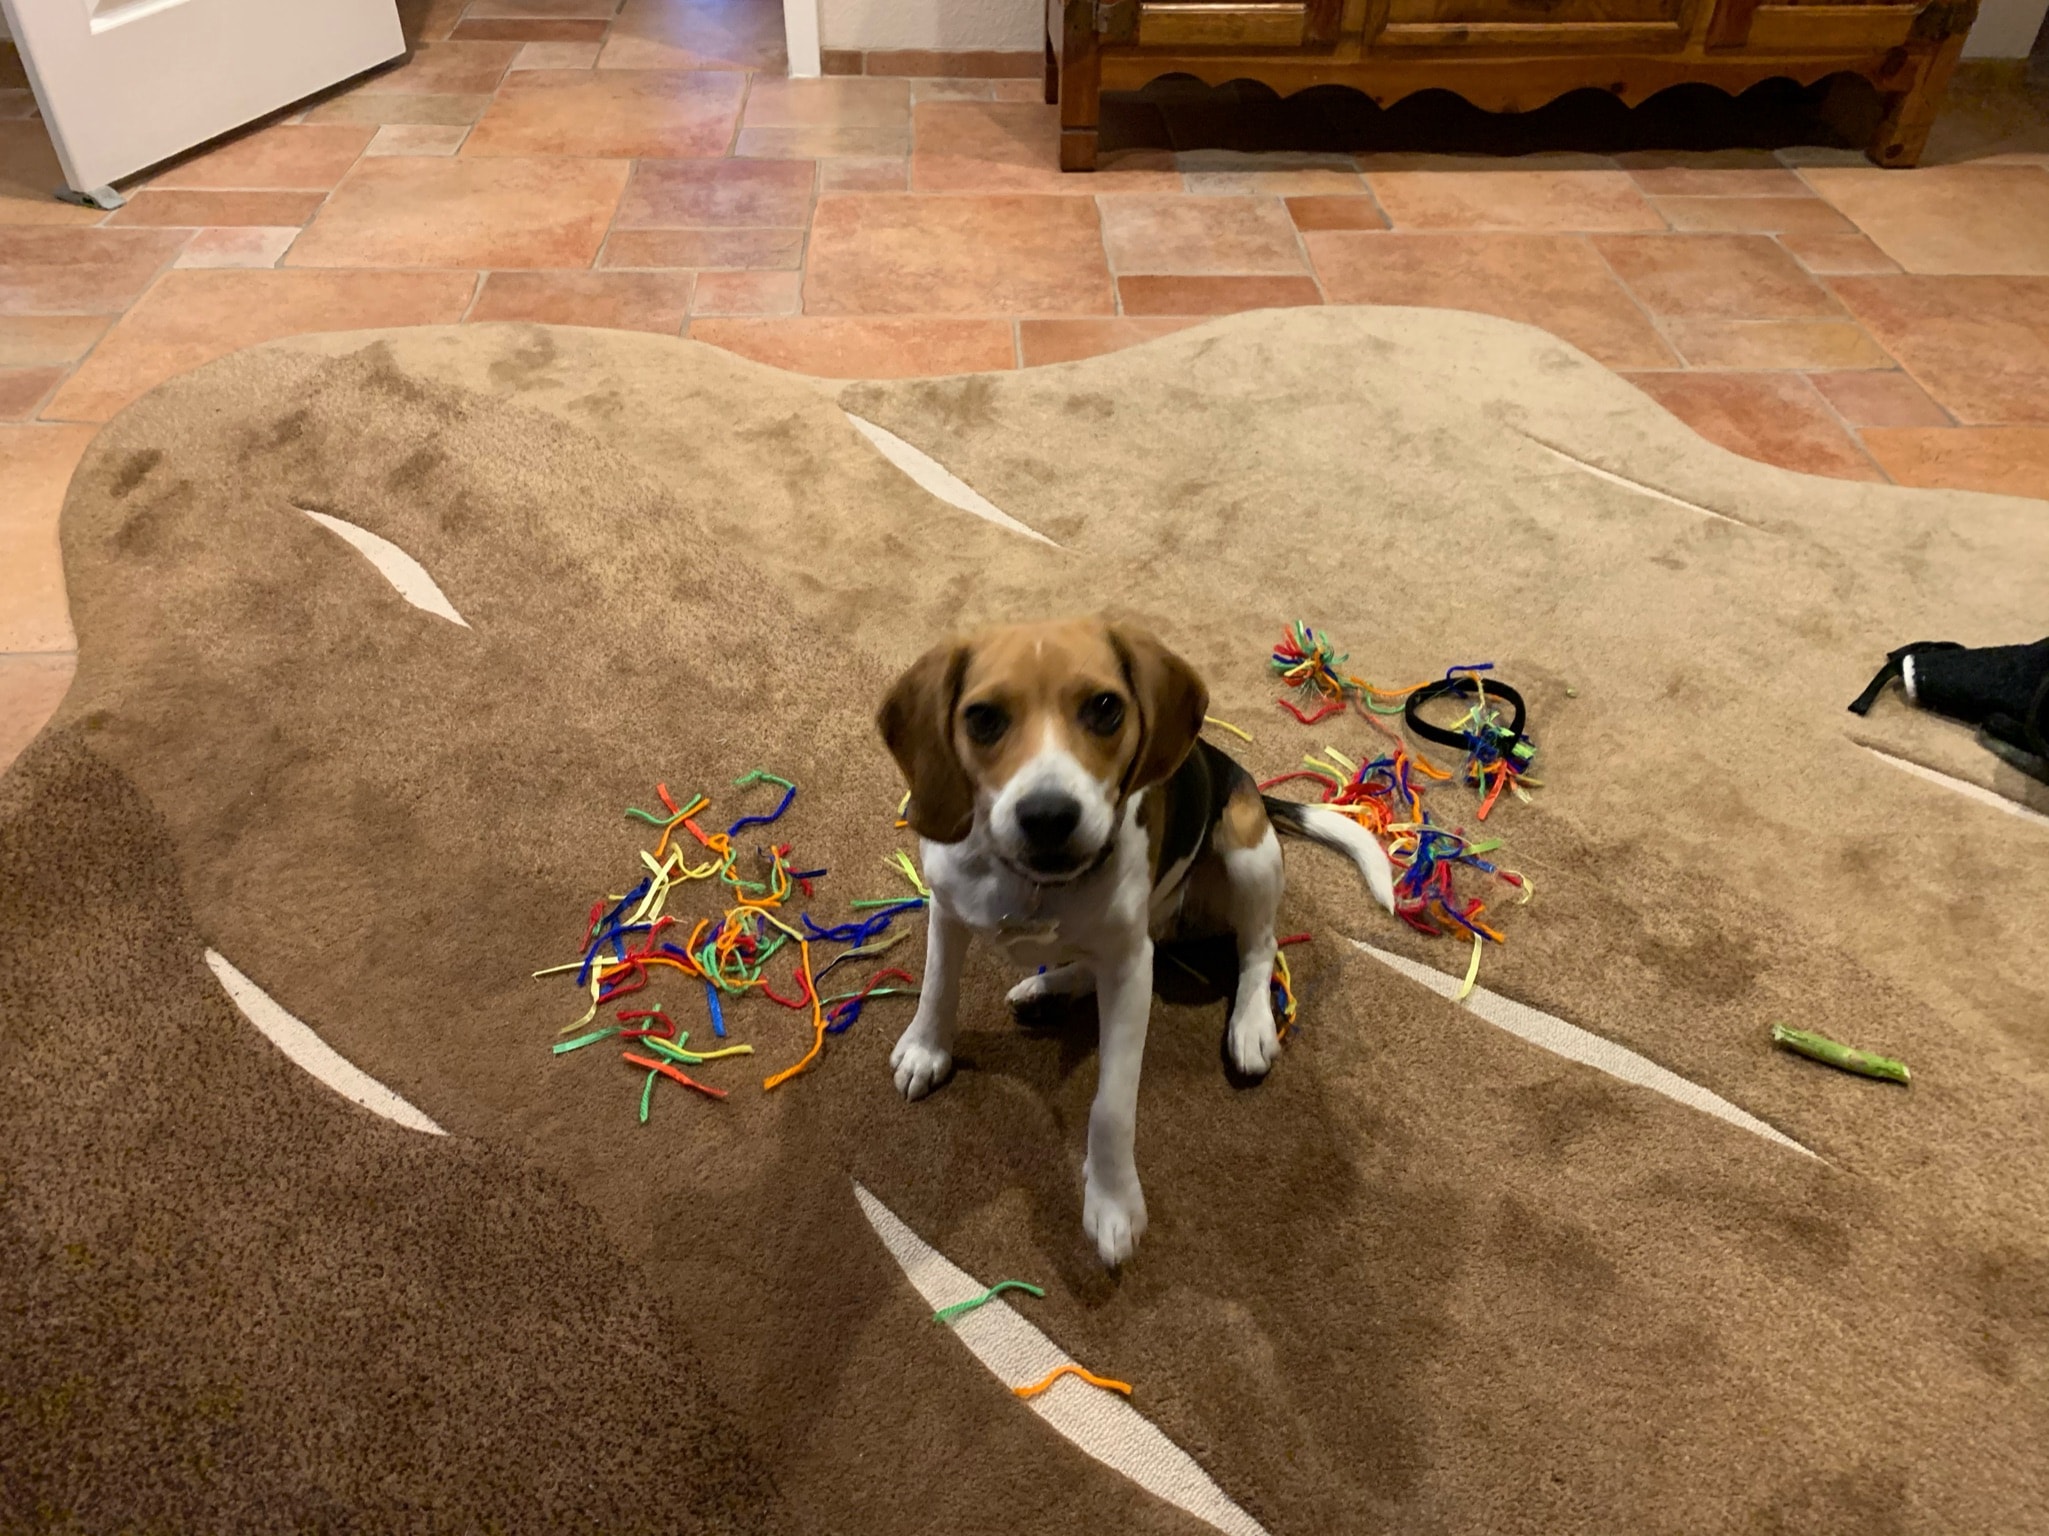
[
  {"x": 1028, "y": 993},
  {"x": 920, "y": 1066},
  {"x": 1251, "y": 1042},
  {"x": 1113, "y": 1216},
  {"x": 1050, "y": 992}
]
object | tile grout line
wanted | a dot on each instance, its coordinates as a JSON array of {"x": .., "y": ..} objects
[
  {"x": 1109, "y": 260},
  {"x": 1854, "y": 434},
  {"x": 66, "y": 370},
  {"x": 810, "y": 223},
  {"x": 1897, "y": 362},
  {"x": 1386, "y": 219},
  {"x": 34, "y": 416},
  {"x": 1686, "y": 366},
  {"x": 1657, "y": 328},
  {"x": 1302, "y": 250},
  {"x": 362, "y": 154},
  {"x": 739, "y": 116},
  {"x": 164, "y": 268},
  {"x": 596, "y": 262},
  {"x": 476, "y": 293}
]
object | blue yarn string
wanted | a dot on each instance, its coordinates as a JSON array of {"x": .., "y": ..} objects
[
  {"x": 860, "y": 933},
  {"x": 611, "y": 931},
  {"x": 762, "y": 821}
]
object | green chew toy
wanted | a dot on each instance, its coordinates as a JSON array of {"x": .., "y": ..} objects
[{"x": 1847, "y": 1057}]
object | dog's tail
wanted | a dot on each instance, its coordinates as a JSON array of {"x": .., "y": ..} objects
[{"x": 1326, "y": 828}]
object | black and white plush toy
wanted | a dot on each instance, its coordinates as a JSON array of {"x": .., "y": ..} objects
[{"x": 2001, "y": 689}]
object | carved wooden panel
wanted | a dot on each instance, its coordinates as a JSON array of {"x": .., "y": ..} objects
[
  {"x": 1729, "y": 27},
  {"x": 1827, "y": 27},
  {"x": 1535, "y": 24},
  {"x": 1238, "y": 23}
]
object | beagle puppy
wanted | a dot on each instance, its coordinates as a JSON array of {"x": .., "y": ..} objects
[{"x": 1069, "y": 813}]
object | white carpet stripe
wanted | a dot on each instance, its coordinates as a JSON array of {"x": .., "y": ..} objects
[
  {"x": 309, "y": 1051},
  {"x": 939, "y": 480},
  {"x": 1576, "y": 1044},
  {"x": 406, "y": 575},
  {"x": 1634, "y": 485},
  {"x": 1101, "y": 1423},
  {"x": 1964, "y": 787}
]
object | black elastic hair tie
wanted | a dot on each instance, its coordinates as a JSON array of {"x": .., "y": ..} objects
[{"x": 1507, "y": 740}]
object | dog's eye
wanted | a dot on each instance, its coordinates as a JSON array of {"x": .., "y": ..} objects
[
  {"x": 986, "y": 724},
  {"x": 1103, "y": 715}
]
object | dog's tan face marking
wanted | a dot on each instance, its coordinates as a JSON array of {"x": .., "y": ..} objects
[
  {"x": 1039, "y": 733},
  {"x": 1044, "y": 685}
]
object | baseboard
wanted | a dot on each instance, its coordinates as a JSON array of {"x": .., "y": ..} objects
[{"x": 984, "y": 64}]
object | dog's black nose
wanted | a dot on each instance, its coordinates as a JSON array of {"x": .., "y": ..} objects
[{"x": 1048, "y": 820}]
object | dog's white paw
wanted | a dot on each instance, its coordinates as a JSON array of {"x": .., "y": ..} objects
[
  {"x": 1028, "y": 991},
  {"x": 1252, "y": 1040},
  {"x": 1060, "y": 981},
  {"x": 920, "y": 1067},
  {"x": 1113, "y": 1217}
]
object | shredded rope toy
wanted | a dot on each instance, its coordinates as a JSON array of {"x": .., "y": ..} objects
[
  {"x": 1309, "y": 662},
  {"x": 1385, "y": 797},
  {"x": 627, "y": 936},
  {"x": 1498, "y": 756},
  {"x": 1071, "y": 1369},
  {"x": 948, "y": 1314}
]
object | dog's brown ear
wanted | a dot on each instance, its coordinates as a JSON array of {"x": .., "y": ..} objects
[
  {"x": 916, "y": 721},
  {"x": 1171, "y": 703}
]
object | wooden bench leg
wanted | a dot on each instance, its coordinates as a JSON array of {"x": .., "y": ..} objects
[
  {"x": 1081, "y": 72},
  {"x": 1052, "y": 72},
  {"x": 1902, "y": 133}
]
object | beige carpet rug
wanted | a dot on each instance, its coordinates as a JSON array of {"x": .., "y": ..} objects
[{"x": 303, "y": 1226}]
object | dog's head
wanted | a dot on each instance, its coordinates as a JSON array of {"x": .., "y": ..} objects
[{"x": 1041, "y": 732}]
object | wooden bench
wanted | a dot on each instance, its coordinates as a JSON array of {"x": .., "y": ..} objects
[{"x": 1505, "y": 55}]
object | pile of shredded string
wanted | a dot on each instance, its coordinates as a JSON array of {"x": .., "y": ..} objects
[
  {"x": 630, "y": 939},
  {"x": 1384, "y": 794}
]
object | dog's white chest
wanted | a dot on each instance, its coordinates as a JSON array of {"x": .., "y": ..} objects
[
  {"x": 1025, "y": 931},
  {"x": 1032, "y": 924},
  {"x": 1030, "y": 943}
]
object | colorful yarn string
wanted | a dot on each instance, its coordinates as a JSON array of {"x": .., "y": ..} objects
[
  {"x": 1385, "y": 797},
  {"x": 850, "y": 1009},
  {"x": 1308, "y": 661},
  {"x": 959, "y": 1308},
  {"x": 1283, "y": 985},
  {"x": 1385, "y": 794},
  {"x": 1071, "y": 1369},
  {"x": 626, "y": 938},
  {"x": 1496, "y": 757}
]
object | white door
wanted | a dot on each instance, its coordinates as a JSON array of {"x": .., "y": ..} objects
[{"x": 124, "y": 84}]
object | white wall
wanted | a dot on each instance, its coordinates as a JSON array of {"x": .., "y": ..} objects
[
  {"x": 950, "y": 26},
  {"x": 2005, "y": 29}
]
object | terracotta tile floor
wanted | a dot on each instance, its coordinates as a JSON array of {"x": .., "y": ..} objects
[{"x": 646, "y": 165}]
